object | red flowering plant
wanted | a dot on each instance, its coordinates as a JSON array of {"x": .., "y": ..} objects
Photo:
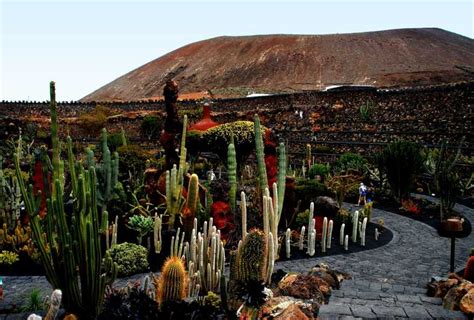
[{"x": 410, "y": 206}]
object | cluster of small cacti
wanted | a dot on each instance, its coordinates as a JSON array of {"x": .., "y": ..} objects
[
  {"x": 205, "y": 259},
  {"x": 53, "y": 309},
  {"x": 10, "y": 197}
]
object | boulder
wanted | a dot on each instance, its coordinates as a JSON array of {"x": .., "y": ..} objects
[
  {"x": 453, "y": 298},
  {"x": 305, "y": 287},
  {"x": 467, "y": 303},
  {"x": 326, "y": 207},
  {"x": 332, "y": 277},
  {"x": 441, "y": 287},
  {"x": 284, "y": 307}
]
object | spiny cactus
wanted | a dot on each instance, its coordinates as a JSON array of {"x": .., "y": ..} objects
[
  {"x": 253, "y": 257},
  {"x": 172, "y": 282},
  {"x": 71, "y": 252},
  {"x": 262, "y": 170},
  {"x": 107, "y": 172},
  {"x": 192, "y": 204},
  {"x": 232, "y": 175}
]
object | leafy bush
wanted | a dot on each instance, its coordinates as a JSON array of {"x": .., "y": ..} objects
[
  {"x": 401, "y": 162},
  {"x": 93, "y": 121},
  {"x": 151, "y": 127},
  {"x": 309, "y": 190},
  {"x": 131, "y": 258},
  {"x": 318, "y": 169},
  {"x": 351, "y": 162}
]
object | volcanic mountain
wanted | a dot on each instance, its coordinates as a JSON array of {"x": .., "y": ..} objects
[{"x": 229, "y": 66}]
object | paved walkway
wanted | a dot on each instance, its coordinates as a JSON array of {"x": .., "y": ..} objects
[{"x": 389, "y": 281}]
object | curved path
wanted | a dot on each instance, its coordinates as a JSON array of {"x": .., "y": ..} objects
[{"x": 387, "y": 274}]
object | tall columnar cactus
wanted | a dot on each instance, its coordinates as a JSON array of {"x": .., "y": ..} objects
[
  {"x": 262, "y": 170},
  {"x": 232, "y": 175},
  {"x": 243, "y": 208},
  {"x": 171, "y": 285},
  {"x": 362, "y": 233},
  {"x": 301, "y": 242},
  {"x": 329, "y": 240},
  {"x": 252, "y": 258},
  {"x": 324, "y": 236},
  {"x": 308, "y": 155},
  {"x": 157, "y": 240},
  {"x": 71, "y": 252},
  {"x": 282, "y": 164},
  {"x": 107, "y": 173},
  {"x": 341, "y": 234},
  {"x": 174, "y": 183},
  {"x": 192, "y": 204},
  {"x": 355, "y": 225},
  {"x": 288, "y": 243}
]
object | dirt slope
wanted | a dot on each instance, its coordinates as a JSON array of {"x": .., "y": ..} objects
[{"x": 230, "y": 66}]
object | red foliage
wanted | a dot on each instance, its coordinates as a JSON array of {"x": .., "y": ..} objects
[
  {"x": 271, "y": 161},
  {"x": 223, "y": 218},
  {"x": 411, "y": 206},
  {"x": 469, "y": 271},
  {"x": 38, "y": 185}
]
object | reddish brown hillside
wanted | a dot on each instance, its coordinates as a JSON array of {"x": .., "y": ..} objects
[{"x": 285, "y": 63}]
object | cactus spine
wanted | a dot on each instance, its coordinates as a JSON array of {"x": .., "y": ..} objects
[
  {"x": 324, "y": 236},
  {"x": 71, "y": 251},
  {"x": 329, "y": 240},
  {"x": 232, "y": 175},
  {"x": 171, "y": 285}
]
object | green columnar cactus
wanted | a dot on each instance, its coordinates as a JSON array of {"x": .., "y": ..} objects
[
  {"x": 107, "y": 173},
  {"x": 71, "y": 252},
  {"x": 174, "y": 182},
  {"x": 192, "y": 205},
  {"x": 171, "y": 285},
  {"x": 262, "y": 170},
  {"x": 252, "y": 258},
  {"x": 282, "y": 164},
  {"x": 232, "y": 174},
  {"x": 10, "y": 198}
]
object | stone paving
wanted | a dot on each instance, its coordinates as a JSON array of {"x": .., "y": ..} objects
[{"x": 388, "y": 282}]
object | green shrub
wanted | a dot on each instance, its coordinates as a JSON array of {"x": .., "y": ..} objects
[
  {"x": 401, "y": 162},
  {"x": 318, "y": 169},
  {"x": 131, "y": 258},
  {"x": 351, "y": 162},
  {"x": 151, "y": 127},
  {"x": 35, "y": 302},
  {"x": 309, "y": 190}
]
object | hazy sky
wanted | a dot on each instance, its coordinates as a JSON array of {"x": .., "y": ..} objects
[{"x": 83, "y": 45}]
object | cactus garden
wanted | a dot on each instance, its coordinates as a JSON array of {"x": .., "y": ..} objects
[{"x": 218, "y": 222}]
